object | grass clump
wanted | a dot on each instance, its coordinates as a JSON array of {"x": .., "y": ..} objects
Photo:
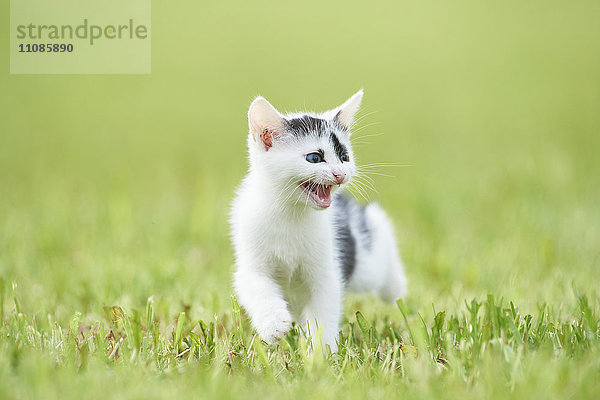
[{"x": 486, "y": 346}]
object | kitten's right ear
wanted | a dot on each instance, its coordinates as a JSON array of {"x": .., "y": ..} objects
[
  {"x": 346, "y": 112},
  {"x": 265, "y": 122}
]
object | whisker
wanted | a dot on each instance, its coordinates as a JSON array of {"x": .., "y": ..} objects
[
  {"x": 360, "y": 137},
  {"x": 368, "y": 165},
  {"x": 358, "y": 120},
  {"x": 356, "y": 185},
  {"x": 355, "y": 131},
  {"x": 368, "y": 182},
  {"x": 379, "y": 174}
]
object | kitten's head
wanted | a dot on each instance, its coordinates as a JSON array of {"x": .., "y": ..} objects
[{"x": 304, "y": 156}]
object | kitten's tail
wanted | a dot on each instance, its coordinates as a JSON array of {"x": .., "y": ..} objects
[{"x": 384, "y": 259}]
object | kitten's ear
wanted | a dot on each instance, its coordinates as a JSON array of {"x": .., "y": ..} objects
[
  {"x": 266, "y": 124},
  {"x": 346, "y": 111}
]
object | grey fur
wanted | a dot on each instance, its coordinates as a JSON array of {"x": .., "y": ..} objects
[
  {"x": 351, "y": 230},
  {"x": 306, "y": 125}
]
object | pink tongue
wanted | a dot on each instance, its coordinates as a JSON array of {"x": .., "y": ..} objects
[{"x": 323, "y": 192}]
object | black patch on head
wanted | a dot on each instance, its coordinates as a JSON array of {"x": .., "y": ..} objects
[
  {"x": 337, "y": 146},
  {"x": 306, "y": 125}
]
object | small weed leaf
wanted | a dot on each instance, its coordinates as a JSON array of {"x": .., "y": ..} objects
[
  {"x": 402, "y": 308},
  {"x": 179, "y": 330},
  {"x": 149, "y": 314},
  {"x": 362, "y": 323},
  {"x": 15, "y": 299}
]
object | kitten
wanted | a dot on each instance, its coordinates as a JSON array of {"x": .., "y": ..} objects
[{"x": 299, "y": 243}]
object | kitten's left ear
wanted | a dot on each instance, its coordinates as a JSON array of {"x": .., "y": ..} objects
[{"x": 346, "y": 112}]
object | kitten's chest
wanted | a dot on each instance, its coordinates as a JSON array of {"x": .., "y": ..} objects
[{"x": 298, "y": 243}]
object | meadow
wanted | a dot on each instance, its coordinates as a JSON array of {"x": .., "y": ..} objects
[{"x": 115, "y": 259}]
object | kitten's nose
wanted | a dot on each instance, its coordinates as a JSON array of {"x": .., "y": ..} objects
[{"x": 339, "y": 177}]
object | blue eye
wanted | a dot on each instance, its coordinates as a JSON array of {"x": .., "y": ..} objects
[
  {"x": 314, "y": 158},
  {"x": 345, "y": 157}
]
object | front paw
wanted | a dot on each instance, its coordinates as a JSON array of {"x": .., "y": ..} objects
[{"x": 274, "y": 326}]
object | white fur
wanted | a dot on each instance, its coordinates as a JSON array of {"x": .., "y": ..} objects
[
  {"x": 287, "y": 269},
  {"x": 379, "y": 270}
]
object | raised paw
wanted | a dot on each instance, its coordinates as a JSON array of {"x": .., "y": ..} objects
[{"x": 274, "y": 326}]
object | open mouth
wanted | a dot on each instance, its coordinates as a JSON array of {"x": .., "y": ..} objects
[{"x": 320, "y": 194}]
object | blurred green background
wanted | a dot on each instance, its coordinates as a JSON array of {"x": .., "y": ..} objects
[{"x": 114, "y": 188}]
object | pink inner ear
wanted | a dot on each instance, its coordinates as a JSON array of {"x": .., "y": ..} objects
[{"x": 266, "y": 136}]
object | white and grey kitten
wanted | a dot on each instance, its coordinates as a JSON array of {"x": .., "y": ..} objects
[{"x": 298, "y": 244}]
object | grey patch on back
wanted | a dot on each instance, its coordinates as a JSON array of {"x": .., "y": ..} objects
[
  {"x": 364, "y": 228},
  {"x": 346, "y": 245},
  {"x": 351, "y": 230}
]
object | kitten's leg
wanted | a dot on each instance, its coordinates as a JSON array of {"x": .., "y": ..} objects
[
  {"x": 262, "y": 298},
  {"x": 325, "y": 306}
]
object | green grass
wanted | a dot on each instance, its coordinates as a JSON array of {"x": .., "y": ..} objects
[
  {"x": 114, "y": 194},
  {"x": 485, "y": 349}
]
